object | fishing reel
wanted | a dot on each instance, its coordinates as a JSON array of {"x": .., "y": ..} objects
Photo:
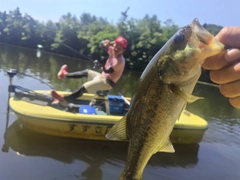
[{"x": 96, "y": 64}]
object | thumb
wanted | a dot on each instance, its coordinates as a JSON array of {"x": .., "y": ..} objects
[{"x": 230, "y": 36}]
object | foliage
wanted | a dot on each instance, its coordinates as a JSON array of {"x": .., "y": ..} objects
[
  {"x": 80, "y": 36},
  {"x": 213, "y": 29}
]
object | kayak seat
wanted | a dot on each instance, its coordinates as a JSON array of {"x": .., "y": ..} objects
[{"x": 101, "y": 95}]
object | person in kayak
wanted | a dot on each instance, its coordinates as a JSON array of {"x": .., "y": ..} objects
[{"x": 111, "y": 72}]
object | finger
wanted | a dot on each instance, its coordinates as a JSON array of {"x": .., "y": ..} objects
[
  {"x": 231, "y": 89},
  {"x": 232, "y": 55},
  {"x": 229, "y": 36},
  {"x": 227, "y": 74},
  {"x": 222, "y": 60},
  {"x": 106, "y": 42},
  {"x": 235, "y": 102},
  {"x": 215, "y": 62},
  {"x": 112, "y": 43}
]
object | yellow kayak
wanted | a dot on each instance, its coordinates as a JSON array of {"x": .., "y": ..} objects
[{"x": 93, "y": 118}]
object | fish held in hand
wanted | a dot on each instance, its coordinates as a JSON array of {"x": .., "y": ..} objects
[{"x": 164, "y": 89}]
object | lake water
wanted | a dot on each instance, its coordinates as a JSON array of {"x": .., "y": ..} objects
[{"x": 27, "y": 155}]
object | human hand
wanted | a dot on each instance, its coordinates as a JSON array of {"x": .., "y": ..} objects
[
  {"x": 112, "y": 43},
  {"x": 225, "y": 67},
  {"x": 106, "y": 43}
]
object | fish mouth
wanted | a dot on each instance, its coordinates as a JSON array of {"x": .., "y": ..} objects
[
  {"x": 202, "y": 38},
  {"x": 201, "y": 34}
]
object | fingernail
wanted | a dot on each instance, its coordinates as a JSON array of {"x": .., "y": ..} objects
[{"x": 232, "y": 55}]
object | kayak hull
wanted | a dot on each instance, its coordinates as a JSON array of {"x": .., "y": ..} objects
[{"x": 189, "y": 129}]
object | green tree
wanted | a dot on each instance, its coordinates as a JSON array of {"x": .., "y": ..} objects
[
  {"x": 80, "y": 36},
  {"x": 3, "y": 24},
  {"x": 14, "y": 26},
  {"x": 213, "y": 29}
]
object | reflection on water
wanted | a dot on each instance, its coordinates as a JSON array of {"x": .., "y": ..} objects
[
  {"x": 223, "y": 119},
  {"x": 94, "y": 153},
  {"x": 50, "y": 158}
]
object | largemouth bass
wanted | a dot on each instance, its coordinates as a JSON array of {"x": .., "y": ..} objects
[{"x": 164, "y": 89}]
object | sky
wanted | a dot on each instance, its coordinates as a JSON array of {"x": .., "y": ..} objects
[{"x": 182, "y": 12}]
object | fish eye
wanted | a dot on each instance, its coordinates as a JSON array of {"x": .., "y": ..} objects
[{"x": 179, "y": 38}]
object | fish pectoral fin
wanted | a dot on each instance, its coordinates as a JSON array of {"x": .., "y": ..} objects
[
  {"x": 188, "y": 97},
  {"x": 167, "y": 147},
  {"x": 191, "y": 98},
  {"x": 118, "y": 131}
]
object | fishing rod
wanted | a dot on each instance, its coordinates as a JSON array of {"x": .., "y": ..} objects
[
  {"x": 49, "y": 85},
  {"x": 207, "y": 83},
  {"x": 96, "y": 62},
  {"x": 74, "y": 50}
]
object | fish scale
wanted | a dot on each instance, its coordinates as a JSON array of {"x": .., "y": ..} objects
[{"x": 150, "y": 124}]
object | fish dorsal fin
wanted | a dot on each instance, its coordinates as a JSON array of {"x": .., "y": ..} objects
[
  {"x": 167, "y": 147},
  {"x": 118, "y": 131},
  {"x": 188, "y": 97}
]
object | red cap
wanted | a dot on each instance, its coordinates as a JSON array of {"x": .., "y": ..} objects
[{"x": 122, "y": 41}]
